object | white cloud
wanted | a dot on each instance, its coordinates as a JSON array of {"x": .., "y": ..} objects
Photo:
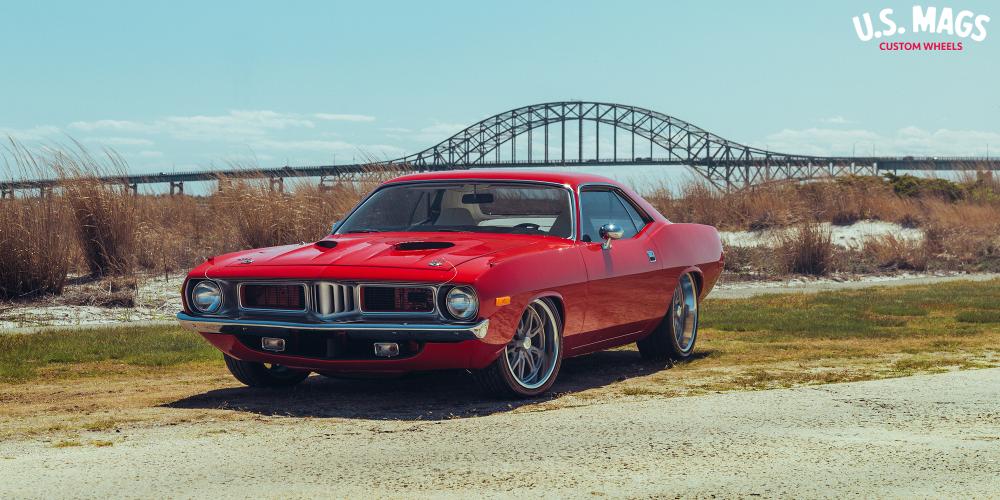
[
  {"x": 116, "y": 125},
  {"x": 344, "y": 117},
  {"x": 118, "y": 141},
  {"x": 30, "y": 134},
  {"x": 905, "y": 141},
  {"x": 237, "y": 125},
  {"x": 836, "y": 120},
  {"x": 326, "y": 146},
  {"x": 438, "y": 132}
]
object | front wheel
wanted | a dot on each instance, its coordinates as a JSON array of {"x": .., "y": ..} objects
[
  {"x": 256, "y": 374},
  {"x": 675, "y": 336},
  {"x": 530, "y": 362}
]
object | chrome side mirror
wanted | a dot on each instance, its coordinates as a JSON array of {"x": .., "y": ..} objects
[{"x": 610, "y": 232}]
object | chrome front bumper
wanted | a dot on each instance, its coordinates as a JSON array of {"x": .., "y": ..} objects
[{"x": 430, "y": 332}]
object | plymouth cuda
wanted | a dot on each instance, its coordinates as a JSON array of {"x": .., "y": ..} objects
[{"x": 501, "y": 273}]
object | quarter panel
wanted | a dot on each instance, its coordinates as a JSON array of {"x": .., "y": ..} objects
[{"x": 686, "y": 246}]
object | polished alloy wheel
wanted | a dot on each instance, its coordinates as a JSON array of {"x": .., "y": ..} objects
[
  {"x": 684, "y": 313},
  {"x": 532, "y": 353}
]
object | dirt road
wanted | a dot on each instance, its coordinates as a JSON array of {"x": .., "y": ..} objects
[{"x": 936, "y": 435}]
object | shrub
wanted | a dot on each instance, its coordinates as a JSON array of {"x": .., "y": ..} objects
[
  {"x": 912, "y": 186},
  {"x": 889, "y": 252},
  {"x": 804, "y": 249}
]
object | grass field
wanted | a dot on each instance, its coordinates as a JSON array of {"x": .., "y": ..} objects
[{"x": 103, "y": 378}]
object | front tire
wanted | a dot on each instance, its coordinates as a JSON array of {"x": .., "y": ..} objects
[
  {"x": 530, "y": 362},
  {"x": 256, "y": 374},
  {"x": 675, "y": 336}
]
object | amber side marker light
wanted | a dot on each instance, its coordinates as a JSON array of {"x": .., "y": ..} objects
[{"x": 503, "y": 301}]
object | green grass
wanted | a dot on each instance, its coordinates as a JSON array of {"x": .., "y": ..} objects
[
  {"x": 979, "y": 316},
  {"x": 765, "y": 341},
  {"x": 22, "y": 355},
  {"x": 872, "y": 312}
]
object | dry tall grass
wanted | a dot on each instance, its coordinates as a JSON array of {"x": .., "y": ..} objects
[
  {"x": 106, "y": 216},
  {"x": 35, "y": 252},
  {"x": 89, "y": 227},
  {"x": 804, "y": 249}
]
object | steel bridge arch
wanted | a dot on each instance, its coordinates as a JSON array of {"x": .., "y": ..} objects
[{"x": 724, "y": 163}]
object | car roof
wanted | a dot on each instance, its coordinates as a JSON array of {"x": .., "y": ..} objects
[{"x": 572, "y": 179}]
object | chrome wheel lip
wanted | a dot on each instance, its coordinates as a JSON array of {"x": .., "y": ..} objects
[
  {"x": 684, "y": 313},
  {"x": 547, "y": 346}
]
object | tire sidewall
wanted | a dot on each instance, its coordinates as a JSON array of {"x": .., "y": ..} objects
[
  {"x": 674, "y": 345},
  {"x": 508, "y": 377}
]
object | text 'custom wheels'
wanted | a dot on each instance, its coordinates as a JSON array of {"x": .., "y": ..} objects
[
  {"x": 530, "y": 362},
  {"x": 264, "y": 375},
  {"x": 675, "y": 336}
]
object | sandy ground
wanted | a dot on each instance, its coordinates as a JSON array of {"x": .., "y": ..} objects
[
  {"x": 850, "y": 236},
  {"x": 936, "y": 435},
  {"x": 157, "y": 300},
  {"x": 744, "y": 289}
]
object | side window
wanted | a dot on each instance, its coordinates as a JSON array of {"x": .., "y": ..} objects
[
  {"x": 598, "y": 208},
  {"x": 637, "y": 218}
]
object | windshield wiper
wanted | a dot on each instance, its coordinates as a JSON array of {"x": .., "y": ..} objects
[{"x": 364, "y": 231}]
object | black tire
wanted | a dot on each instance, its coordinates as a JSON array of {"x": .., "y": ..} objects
[
  {"x": 663, "y": 343},
  {"x": 497, "y": 380},
  {"x": 256, "y": 374}
]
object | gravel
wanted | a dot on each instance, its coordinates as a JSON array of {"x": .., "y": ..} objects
[{"x": 936, "y": 435}]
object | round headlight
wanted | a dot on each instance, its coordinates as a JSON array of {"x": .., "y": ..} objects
[
  {"x": 206, "y": 296},
  {"x": 461, "y": 303}
]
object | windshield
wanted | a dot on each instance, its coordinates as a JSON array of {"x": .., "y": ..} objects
[{"x": 477, "y": 207}]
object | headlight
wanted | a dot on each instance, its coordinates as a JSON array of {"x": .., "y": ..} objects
[
  {"x": 461, "y": 303},
  {"x": 206, "y": 297}
]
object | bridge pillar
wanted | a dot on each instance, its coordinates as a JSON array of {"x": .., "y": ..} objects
[
  {"x": 132, "y": 188},
  {"x": 6, "y": 193},
  {"x": 176, "y": 187},
  {"x": 277, "y": 184},
  {"x": 44, "y": 191},
  {"x": 326, "y": 183}
]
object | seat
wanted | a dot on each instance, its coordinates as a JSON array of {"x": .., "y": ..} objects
[
  {"x": 562, "y": 226},
  {"x": 455, "y": 217}
]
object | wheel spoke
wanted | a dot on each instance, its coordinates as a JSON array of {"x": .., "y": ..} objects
[
  {"x": 531, "y": 362},
  {"x": 532, "y": 352},
  {"x": 534, "y": 323}
]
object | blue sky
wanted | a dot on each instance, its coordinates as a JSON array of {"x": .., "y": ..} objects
[{"x": 189, "y": 85}]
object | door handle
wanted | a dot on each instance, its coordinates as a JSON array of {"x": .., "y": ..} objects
[{"x": 651, "y": 255}]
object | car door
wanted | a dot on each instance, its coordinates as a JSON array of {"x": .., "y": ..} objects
[{"x": 623, "y": 297}]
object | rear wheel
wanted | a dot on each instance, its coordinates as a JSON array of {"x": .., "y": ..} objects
[
  {"x": 256, "y": 374},
  {"x": 530, "y": 362},
  {"x": 675, "y": 336}
]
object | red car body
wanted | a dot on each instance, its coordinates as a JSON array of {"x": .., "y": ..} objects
[{"x": 605, "y": 297}]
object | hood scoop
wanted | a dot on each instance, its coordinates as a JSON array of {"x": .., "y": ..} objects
[
  {"x": 326, "y": 244},
  {"x": 423, "y": 245}
]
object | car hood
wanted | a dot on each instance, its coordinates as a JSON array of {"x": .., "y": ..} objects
[{"x": 397, "y": 250}]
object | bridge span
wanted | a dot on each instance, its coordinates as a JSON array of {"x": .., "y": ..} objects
[{"x": 581, "y": 133}]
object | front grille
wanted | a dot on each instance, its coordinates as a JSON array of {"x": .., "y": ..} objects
[
  {"x": 278, "y": 297},
  {"x": 334, "y": 298},
  {"x": 397, "y": 299}
]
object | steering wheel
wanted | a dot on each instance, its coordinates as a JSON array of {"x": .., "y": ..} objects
[{"x": 531, "y": 226}]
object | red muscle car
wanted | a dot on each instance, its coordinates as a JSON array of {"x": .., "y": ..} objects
[{"x": 502, "y": 273}]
